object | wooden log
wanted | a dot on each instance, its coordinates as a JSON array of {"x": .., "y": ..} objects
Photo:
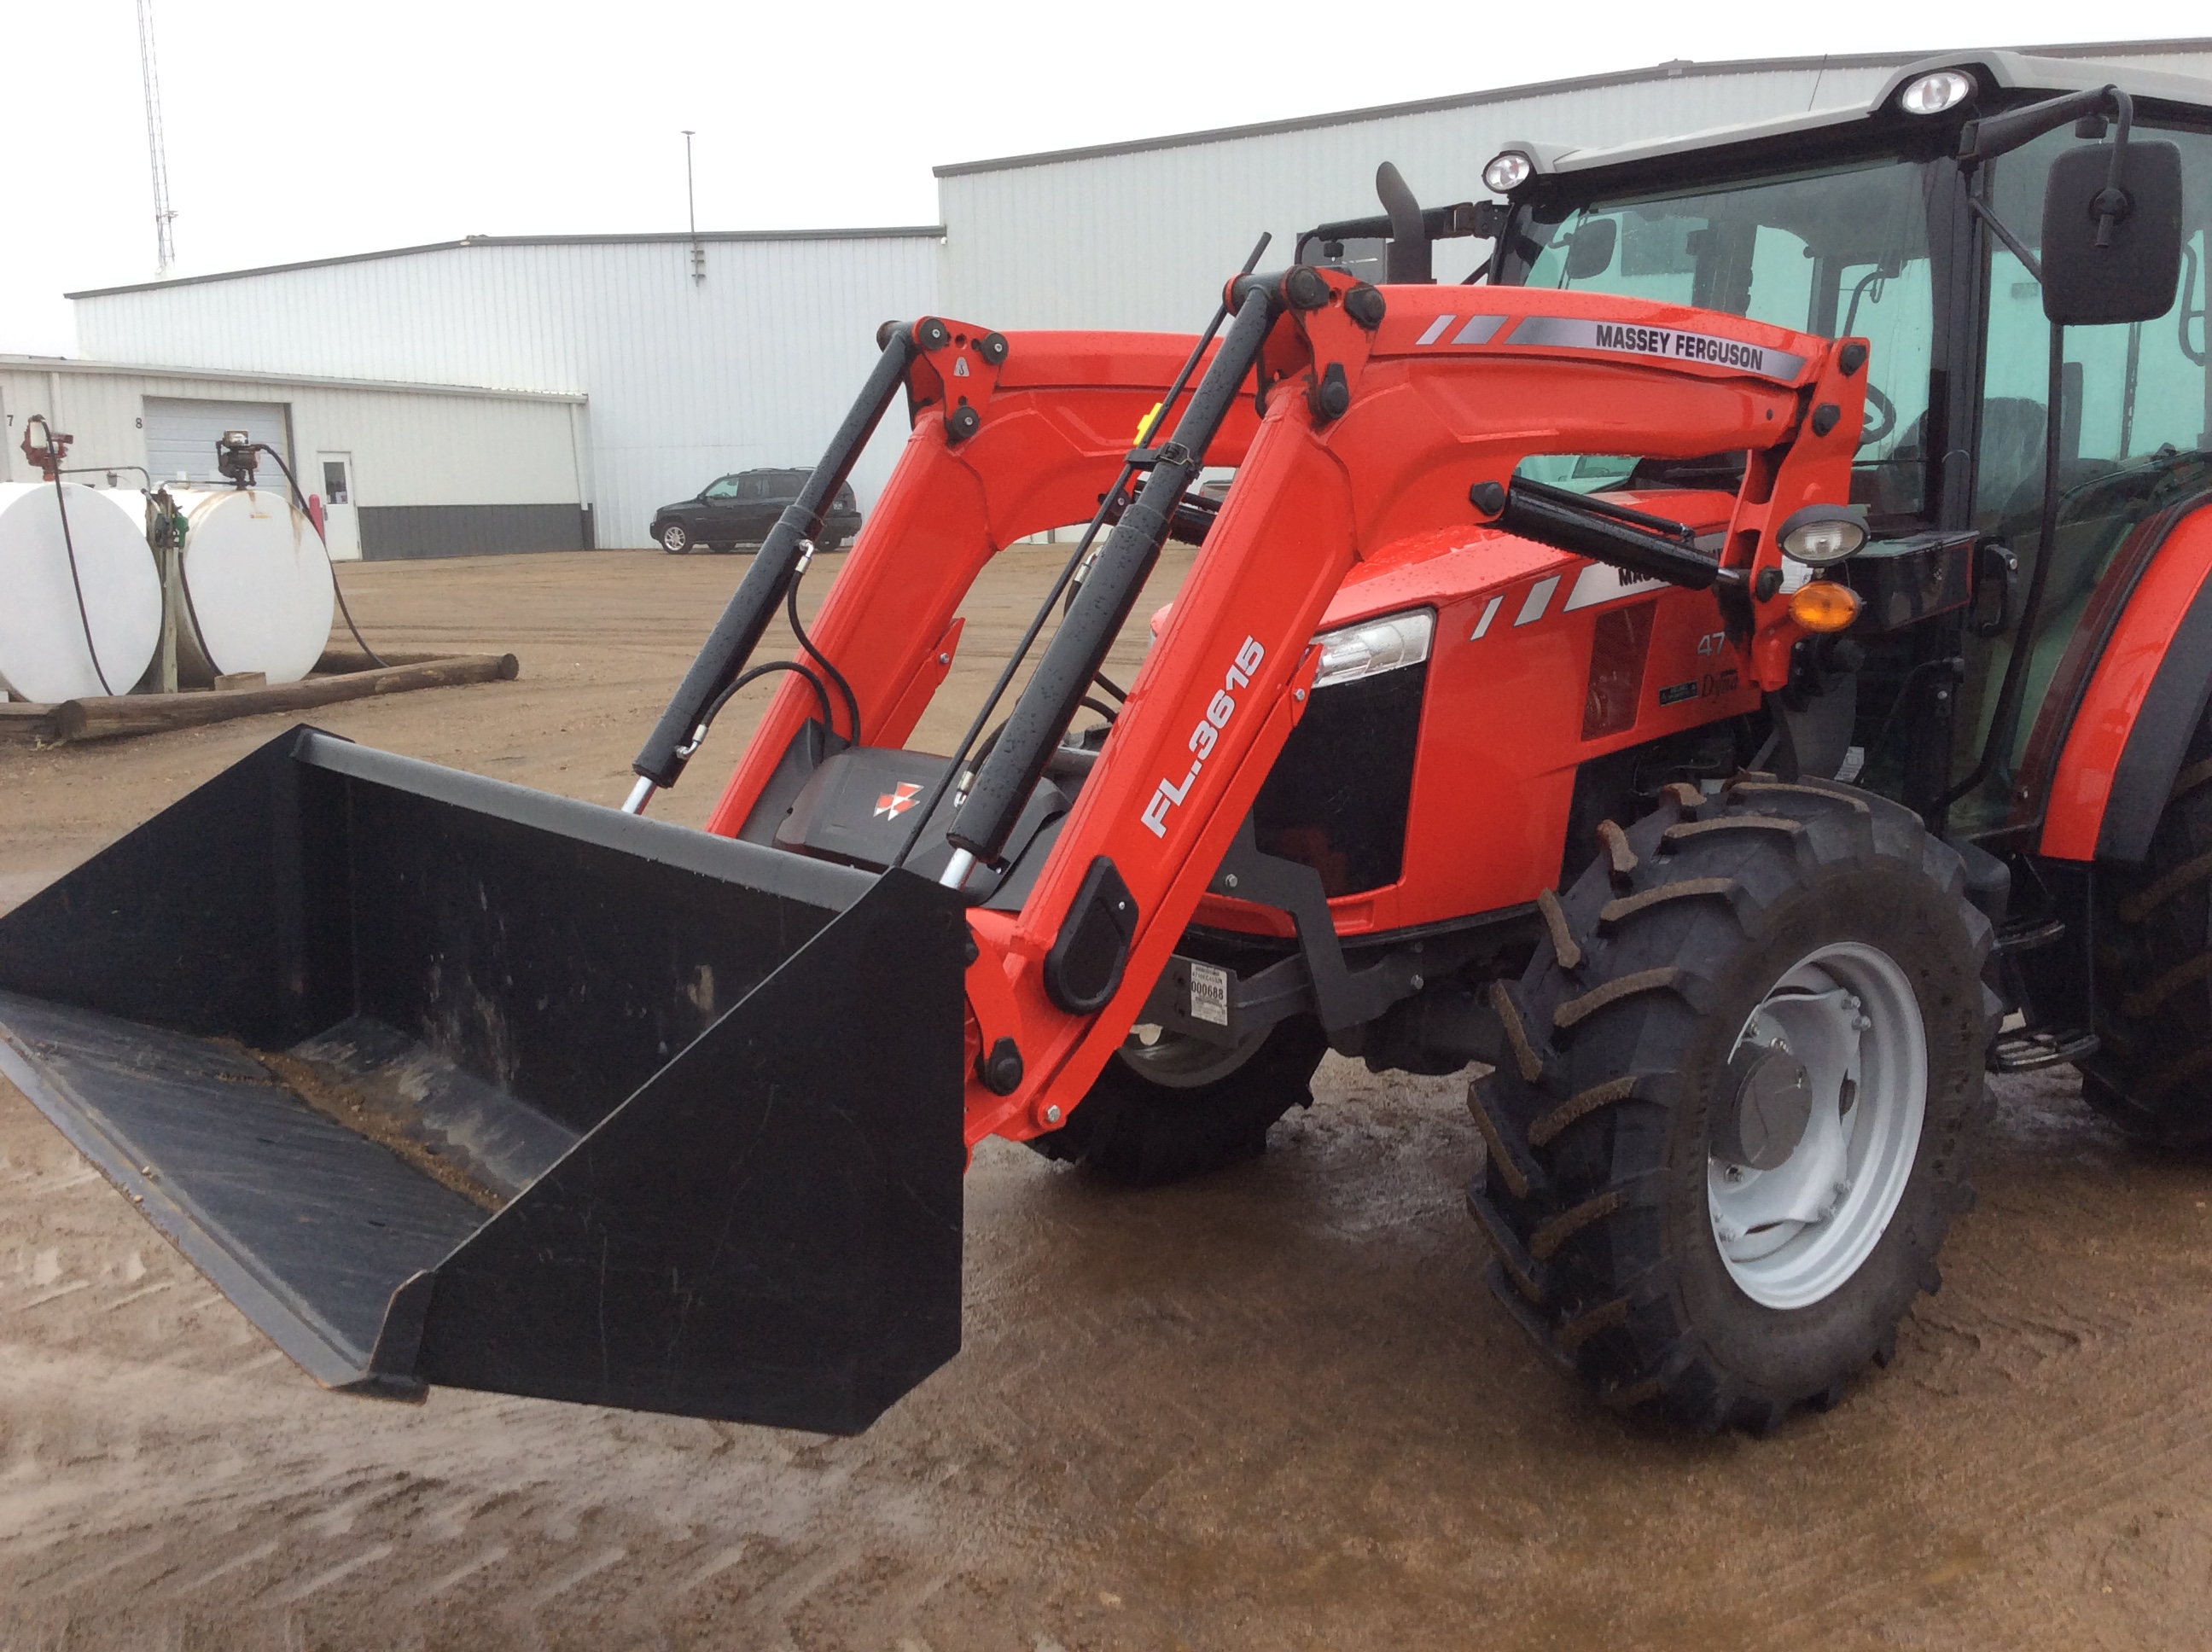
[
  {"x": 106, "y": 717},
  {"x": 335, "y": 661},
  {"x": 27, "y": 723}
]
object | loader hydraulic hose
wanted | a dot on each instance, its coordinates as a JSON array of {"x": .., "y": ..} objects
[
  {"x": 752, "y": 606},
  {"x": 1078, "y": 648}
]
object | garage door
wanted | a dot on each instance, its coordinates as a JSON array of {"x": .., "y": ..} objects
[{"x": 181, "y": 437}]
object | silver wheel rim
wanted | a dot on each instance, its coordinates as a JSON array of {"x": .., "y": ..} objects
[
  {"x": 1178, "y": 1061},
  {"x": 674, "y": 539},
  {"x": 1792, "y": 1236}
]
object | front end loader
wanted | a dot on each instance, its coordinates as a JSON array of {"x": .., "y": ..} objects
[{"x": 1441, "y": 755}]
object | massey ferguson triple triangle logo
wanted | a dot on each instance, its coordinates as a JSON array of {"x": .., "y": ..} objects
[
  {"x": 896, "y": 801},
  {"x": 1168, "y": 794}
]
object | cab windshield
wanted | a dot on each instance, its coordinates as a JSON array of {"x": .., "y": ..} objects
[{"x": 1840, "y": 250}]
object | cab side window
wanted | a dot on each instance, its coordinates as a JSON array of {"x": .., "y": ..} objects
[
  {"x": 725, "y": 488},
  {"x": 2134, "y": 429}
]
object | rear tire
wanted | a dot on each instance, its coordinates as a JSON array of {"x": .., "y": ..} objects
[
  {"x": 1131, "y": 1128},
  {"x": 2154, "y": 929},
  {"x": 1816, "y": 921},
  {"x": 675, "y": 541}
]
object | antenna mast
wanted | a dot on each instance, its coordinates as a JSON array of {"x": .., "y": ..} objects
[{"x": 164, "y": 237}]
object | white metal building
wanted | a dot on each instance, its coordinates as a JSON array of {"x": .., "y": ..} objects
[
  {"x": 1142, "y": 234},
  {"x": 747, "y": 355},
  {"x": 701, "y": 356},
  {"x": 405, "y": 469}
]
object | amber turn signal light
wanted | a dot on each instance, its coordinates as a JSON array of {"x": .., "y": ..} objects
[{"x": 1823, "y": 606}]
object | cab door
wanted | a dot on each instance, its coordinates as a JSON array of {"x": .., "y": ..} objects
[{"x": 2134, "y": 436}]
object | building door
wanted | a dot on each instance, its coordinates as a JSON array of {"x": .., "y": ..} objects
[
  {"x": 341, "y": 527},
  {"x": 181, "y": 435}
]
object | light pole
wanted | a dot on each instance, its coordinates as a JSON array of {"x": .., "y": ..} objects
[{"x": 691, "y": 202}]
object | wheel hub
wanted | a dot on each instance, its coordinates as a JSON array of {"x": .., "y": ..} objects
[
  {"x": 1771, "y": 1106},
  {"x": 1818, "y": 1125}
]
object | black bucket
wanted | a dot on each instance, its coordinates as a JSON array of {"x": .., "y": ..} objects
[{"x": 443, "y": 1080}]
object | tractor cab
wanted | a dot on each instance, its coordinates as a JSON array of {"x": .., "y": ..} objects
[{"x": 1918, "y": 222}]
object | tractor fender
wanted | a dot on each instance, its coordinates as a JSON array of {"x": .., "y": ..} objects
[{"x": 2124, "y": 745}]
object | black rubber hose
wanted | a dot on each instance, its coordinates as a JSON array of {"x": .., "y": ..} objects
[
  {"x": 845, "y": 689},
  {"x": 321, "y": 538},
  {"x": 821, "y": 693},
  {"x": 77, "y": 584}
]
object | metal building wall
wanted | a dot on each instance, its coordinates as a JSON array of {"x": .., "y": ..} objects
[
  {"x": 754, "y": 366},
  {"x": 471, "y": 469},
  {"x": 1144, "y": 237}
]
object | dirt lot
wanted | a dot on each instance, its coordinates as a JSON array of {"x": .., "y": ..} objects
[{"x": 1276, "y": 1409}]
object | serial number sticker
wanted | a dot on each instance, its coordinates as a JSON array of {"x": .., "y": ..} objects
[
  {"x": 1677, "y": 693},
  {"x": 1209, "y": 993}
]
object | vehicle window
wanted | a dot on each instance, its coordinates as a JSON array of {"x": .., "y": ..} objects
[
  {"x": 754, "y": 484},
  {"x": 2133, "y": 435},
  {"x": 725, "y": 488},
  {"x": 1842, "y": 251}
]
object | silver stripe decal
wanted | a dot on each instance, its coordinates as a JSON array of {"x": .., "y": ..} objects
[
  {"x": 1489, "y": 613},
  {"x": 1540, "y": 598},
  {"x": 1437, "y": 328},
  {"x": 1663, "y": 343},
  {"x": 1480, "y": 330}
]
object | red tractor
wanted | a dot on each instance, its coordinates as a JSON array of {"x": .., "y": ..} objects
[{"x": 1735, "y": 667}]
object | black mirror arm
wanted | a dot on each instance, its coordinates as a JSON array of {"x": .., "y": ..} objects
[{"x": 1995, "y": 135}]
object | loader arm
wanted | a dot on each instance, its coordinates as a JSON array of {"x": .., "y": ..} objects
[{"x": 1369, "y": 433}]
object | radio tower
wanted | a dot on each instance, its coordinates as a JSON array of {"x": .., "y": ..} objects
[{"x": 164, "y": 237}]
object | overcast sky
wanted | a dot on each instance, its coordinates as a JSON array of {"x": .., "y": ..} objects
[{"x": 300, "y": 130}]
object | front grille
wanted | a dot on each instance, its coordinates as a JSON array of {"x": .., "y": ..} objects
[{"x": 1338, "y": 796}]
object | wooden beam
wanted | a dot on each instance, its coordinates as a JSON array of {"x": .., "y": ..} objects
[{"x": 106, "y": 717}]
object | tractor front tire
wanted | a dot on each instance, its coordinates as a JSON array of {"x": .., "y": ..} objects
[
  {"x": 1722, "y": 962},
  {"x": 1132, "y": 1128},
  {"x": 2154, "y": 946}
]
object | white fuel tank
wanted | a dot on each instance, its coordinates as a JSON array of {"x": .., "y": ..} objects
[
  {"x": 259, "y": 588},
  {"x": 43, "y": 653}
]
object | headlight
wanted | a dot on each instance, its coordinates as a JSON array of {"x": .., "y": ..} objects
[
  {"x": 1373, "y": 646},
  {"x": 1820, "y": 535},
  {"x": 1507, "y": 173},
  {"x": 1931, "y": 94}
]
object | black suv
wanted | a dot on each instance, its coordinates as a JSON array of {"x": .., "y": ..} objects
[{"x": 739, "y": 510}]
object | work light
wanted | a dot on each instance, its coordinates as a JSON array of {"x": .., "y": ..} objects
[
  {"x": 1931, "y": 94},
  {"x": 1507, "y": 172}
]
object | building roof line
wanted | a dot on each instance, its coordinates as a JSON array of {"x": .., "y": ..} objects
[
  {"x": 1678, "y": 69},
  {"x": 897, "y": 232},
  {"x": 303, "y": 381}
]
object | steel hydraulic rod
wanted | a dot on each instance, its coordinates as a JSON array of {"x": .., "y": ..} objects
[
  {"x": 752, "y": 606},
  {"x": 1564, "y": 522},
  {"x": 1078, "y": 648}
]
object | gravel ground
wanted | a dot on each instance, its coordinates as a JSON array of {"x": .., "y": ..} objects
[{"x": 1273, "y": 1409}]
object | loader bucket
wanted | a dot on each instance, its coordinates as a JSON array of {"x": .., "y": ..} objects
[{"x": 442, "y": 1080}]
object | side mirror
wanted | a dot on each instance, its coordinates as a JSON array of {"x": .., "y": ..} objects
[
  {"x": 1589, "y": 249},
  {"x": 2112, "y": 256}
]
